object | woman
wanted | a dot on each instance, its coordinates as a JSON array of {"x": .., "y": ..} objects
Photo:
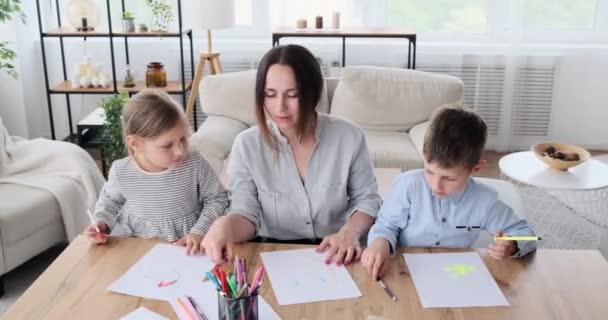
[{"x": 299, "y": 174}]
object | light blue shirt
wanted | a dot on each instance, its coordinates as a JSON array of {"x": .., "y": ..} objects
[{"x": 412, "y": 215}]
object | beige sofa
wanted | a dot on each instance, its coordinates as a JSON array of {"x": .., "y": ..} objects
[
  {"x": 391, "y": 105},
  {"x": 42, "y": 183}
]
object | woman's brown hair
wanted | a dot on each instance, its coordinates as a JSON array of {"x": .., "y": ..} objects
[{"x": 309, "y": 81}]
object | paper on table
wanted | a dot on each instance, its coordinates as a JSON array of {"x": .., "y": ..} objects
[
  {"x": 163, "y": 273},
  {"x": 206, "y": 298},
  {"x": 453, "y": 280},
  {"x": 301, "y": 276},
  {"x": 143, "y": 314}
]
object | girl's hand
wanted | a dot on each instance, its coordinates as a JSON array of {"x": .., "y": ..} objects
[
  {"x": 343, "y": 245},
  {"x": 95, "y": 237},
  {"x": 192, "y": 243}
]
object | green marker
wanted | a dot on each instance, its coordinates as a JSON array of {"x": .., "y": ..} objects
[{"x": 519, "y": 238}]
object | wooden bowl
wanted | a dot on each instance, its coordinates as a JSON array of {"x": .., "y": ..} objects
[{"x": 540, "y": 151}]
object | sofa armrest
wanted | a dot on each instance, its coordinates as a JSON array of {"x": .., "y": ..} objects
[
  {"x": 214, "y": 139},
  {"x": 417, "y": 135}
]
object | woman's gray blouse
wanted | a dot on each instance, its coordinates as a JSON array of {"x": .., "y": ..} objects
[{"x": 265, "y": 186}]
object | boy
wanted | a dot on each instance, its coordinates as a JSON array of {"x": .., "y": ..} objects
[{"x": 425, "y": 207}]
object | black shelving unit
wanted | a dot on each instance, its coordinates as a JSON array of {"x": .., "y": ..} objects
[{"x": 181, "y": 86}]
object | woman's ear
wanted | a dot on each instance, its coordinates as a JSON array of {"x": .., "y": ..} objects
[{"x": 133, "y": 143}]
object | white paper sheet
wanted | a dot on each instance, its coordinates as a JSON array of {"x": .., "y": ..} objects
[
  {"x": 453, "y": 280},
  {"x": 301, "y": 276},
  {"x": 143, "y": 314},
  {"x": 206, "y": 298},
  {"x": 163, "y": 273}
]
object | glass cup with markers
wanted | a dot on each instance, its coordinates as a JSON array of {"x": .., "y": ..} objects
[{"x": 243, "y": 308}]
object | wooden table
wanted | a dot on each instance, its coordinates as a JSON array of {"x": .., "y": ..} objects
[
  {"x": 551, "y": 284},
  {"x": 350, "y": 32}
]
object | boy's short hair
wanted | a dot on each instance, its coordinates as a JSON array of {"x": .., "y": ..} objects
[{"x": 456, "y": 137}]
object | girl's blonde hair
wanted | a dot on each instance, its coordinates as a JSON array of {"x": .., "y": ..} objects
[{"x": 150, "y": 113}]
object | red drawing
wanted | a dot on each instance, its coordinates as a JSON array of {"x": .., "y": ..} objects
[{"x": 162, "y": 284}]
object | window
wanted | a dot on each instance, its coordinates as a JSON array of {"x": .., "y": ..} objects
[
  {"x": 433, "y": 20},
  {"x": 286, "y": 13},
  {"x": 459, "y": 16},
  {"x": 559, "y": 14}
]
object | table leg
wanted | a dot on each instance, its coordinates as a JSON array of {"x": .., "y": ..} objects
[
  {"x": 409, "y": 53},
  {"x": 343, "y": 52}
]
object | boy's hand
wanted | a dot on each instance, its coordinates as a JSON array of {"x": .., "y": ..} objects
[
  {"x": 192, "y": 242},
  {"x": 375, "y": 258},
  {"x": 95, "y": 237},
  {"x": 501, "y": 249}
]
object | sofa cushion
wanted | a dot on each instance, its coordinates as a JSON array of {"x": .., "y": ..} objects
[
  {"x": 214, "y": 138},
  {"x": 392, "y": 150},
  {"x": 233, "y": 95},
  {"x": 24, "y": 211},
  {"x": 391, "y": 99}
]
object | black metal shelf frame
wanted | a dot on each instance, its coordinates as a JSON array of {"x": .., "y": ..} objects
[{"x": 111, "y": 36}]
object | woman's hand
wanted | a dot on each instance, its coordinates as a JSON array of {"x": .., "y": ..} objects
[
  {"x": 97, "y": 233},
  {"x": 192, "y": 242},
  {"x": 216, "y": 242},
  {"x": 343, "y": 245}
]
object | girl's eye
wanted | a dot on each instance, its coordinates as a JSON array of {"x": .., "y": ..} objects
[
  {"x": 292, "y": 95},
  {"x": 270, "y": 94}
]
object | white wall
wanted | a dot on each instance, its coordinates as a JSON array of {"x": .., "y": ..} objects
[
  {"x": 581, "y": 99},
  {"x": 12, "y": 104}
]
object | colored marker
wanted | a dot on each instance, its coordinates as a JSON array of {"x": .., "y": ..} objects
[
  {"x": 213, "y": 280},
  {"x": 256, "y": 279},
  {"x": 388, "y": 291},
  {"x": 100, "y": 235},
  {"x": 519, "y": 238}
]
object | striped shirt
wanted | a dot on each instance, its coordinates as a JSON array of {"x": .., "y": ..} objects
[{"x": 168, "y": 204}]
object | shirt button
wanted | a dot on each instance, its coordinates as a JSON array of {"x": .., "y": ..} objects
[
  {"x": 443, "y": 219},
  {"x": 437, "y": 243}
]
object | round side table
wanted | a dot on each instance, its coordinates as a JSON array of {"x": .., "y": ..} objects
[{"x": 566, "y": 207}]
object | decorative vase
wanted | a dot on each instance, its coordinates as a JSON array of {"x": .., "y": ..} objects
[
  {"x": 156, "y": 77},
  {"x": 128, "y": 25},
  {"x": 129, "y": 80}
]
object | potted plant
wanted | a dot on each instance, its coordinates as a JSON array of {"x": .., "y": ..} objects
[
  {"x": 128, "y": 22},
  {"x": 143, "y": 27},
  {"x": 162, "y": 14},
  {"x": 7, "y": 54},
  {"x": 113, "y": 143}
]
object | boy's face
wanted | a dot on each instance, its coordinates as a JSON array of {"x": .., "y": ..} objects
[{"x": 445, "y": 182}]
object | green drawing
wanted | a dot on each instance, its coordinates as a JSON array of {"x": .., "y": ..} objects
[{"x": 459, "y": 270}]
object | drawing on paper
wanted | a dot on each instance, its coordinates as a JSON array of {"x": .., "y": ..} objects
[{"x": 459, "y": 270}]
